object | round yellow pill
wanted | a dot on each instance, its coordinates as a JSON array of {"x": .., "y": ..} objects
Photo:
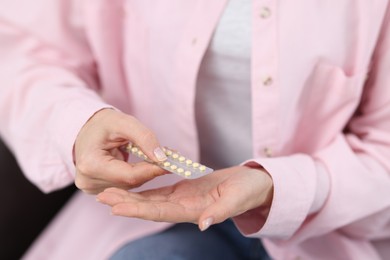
[
  {"x": 188, "y": 162},
  {"x": 175, "y": 156},
  {"x": 168, "y": 152},
  {"x": 202, "y": 168},
  {"x": 187, "y": 173},
  {"x": 182, "y": 159},
  {"x": 195, "y": 165},
  {"x": 134, "y": 149},
  {"x": 173, "y": 167},
  {"x": 180, "y": 170},
  {"x": 167, "y": 164}
]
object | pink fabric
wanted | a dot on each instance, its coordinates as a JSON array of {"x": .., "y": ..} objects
[{"x": 62, "y": 60}]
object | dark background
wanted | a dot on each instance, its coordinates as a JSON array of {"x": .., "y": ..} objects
[{"x": 24, "y": 210}]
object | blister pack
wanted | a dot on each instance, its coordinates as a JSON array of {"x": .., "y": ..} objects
[{"x": 175, "y": 163}]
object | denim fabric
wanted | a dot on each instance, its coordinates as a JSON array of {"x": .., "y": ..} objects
[{"x": 185, "y": 242}]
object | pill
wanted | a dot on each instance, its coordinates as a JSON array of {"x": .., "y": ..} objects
[
  {"x": 175, "y": 163},
  {"x": 188, "y": 162}
]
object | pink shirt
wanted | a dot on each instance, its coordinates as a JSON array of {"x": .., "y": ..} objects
[{"x": 321, "y": 102}]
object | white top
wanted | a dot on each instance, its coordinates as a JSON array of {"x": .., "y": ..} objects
[{"x": 223, "y": 100}]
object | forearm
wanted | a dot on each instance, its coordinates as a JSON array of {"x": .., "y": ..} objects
[{"x": 48, "y": 92}]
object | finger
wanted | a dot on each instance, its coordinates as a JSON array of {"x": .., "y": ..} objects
[
  {"x": 130, "y": 204},
  {"x": 116, "y": 196},
  {"x": 88, "y": 185},
  {"x": 163, "y": 191},
  {"x": 156, "y": 196},
  {"x": 123, "y": 194},
  {"x": 143, "y": 172},
  {"x": 136, "y": 132},
  {"x": 222, "y": 209},
  {"x": 119, "y": 154},
  {"x": 94, "y": 177},
  {"x": 116, "y": 190},
  {"x": 155, "y": 211},
  {"x": 122, "y": 173},
  {"x": 112, "y": 196},
  {"x": 93, "y": 186}
]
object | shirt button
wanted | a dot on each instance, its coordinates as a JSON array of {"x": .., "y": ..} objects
[
  {"x": 265, "y": 12},
  {"x": 268, "y": 81},
  {"x": 268, "y": 152}
]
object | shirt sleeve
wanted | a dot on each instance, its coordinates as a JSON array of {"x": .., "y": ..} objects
[
  {"x": 357, "y": 164},
  {"x": 48, "y": 87}
]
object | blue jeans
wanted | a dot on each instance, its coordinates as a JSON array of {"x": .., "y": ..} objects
[{"x": 185, "y": 242}]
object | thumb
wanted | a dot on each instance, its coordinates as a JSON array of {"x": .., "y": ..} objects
[
  {"x": 143, "y": 137},
  {"x": 218, "y": 212}
]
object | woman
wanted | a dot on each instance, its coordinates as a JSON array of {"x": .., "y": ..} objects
[{"x": 288, "y": 101}]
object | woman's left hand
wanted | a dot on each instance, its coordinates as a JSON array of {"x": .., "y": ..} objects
[{"x": 208, "y": 200}]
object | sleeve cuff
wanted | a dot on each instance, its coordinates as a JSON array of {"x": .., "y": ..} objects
[{"x": 294, "y": 180}]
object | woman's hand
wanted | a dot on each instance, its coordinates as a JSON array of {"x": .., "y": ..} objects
[
  {"x": 205, "y": 201},
  {"x": 99, "y": 161}
]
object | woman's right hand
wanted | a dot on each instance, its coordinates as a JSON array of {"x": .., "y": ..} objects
[{"x": 100, "y": 162}]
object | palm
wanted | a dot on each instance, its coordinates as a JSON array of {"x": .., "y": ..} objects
[{"x": 187, "y": 200}]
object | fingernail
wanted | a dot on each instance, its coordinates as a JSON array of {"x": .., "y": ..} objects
[
  {"x": 159, "y": 153},
  {"x": 206, "y": 223}
]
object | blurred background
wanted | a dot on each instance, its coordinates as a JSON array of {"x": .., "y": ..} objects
[{"x": 24, "y": 210}]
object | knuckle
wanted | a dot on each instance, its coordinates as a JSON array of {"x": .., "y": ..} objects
[
  {"x": 158, "y": 171},
  {"x": 132, "y": 182},
  {"x": 81, "y": 168},
  {"x": 85, "y": 185},
  {"x": 85, "y": 166},
  {"x": 80, "y": 183}
]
